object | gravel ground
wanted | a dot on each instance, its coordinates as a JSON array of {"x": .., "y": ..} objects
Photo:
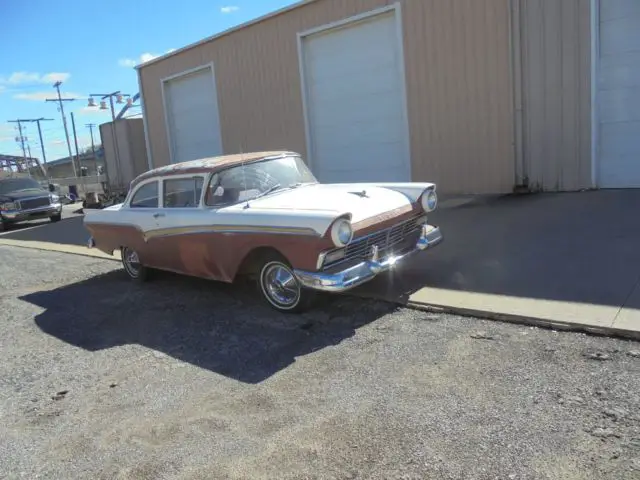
[{"x": 185, "y": 379}]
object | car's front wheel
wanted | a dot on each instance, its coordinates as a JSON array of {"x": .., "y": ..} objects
[
  {"x": 56, "y": 218},
  {"x": 132, "y": 265},
  {"x": 281, "y": 289}
]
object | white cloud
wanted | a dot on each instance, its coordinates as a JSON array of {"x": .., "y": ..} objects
[
  {"x": 86, "y": 110},
  {"x": 127, "y": 62},
  {"x": 145, "y": 57},
  {"x": 229, "y": 9},
  {"x": 21, "y": 78},
  {"x": 54, "y": 77},
  {"x": 42, "y": 96}
]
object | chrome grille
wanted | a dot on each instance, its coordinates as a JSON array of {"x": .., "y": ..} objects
[
  {"x": 388, "y": 241},
  {"x": 29, "y": 203}
]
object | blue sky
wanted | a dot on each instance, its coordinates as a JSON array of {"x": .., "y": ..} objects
[{"x": 92, "y": 47}]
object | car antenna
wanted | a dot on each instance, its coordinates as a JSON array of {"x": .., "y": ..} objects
[{"x": 244, "y": 180}]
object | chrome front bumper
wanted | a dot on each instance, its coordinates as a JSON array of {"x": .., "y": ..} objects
[
  {"x": 368, "y": 269},
  {"x": 32, "y": 213}
]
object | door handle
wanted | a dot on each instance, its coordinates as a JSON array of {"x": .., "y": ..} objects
[{"x": 157, "y": 215}]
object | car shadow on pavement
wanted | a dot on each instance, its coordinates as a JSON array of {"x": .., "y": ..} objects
[{"x": 218, "y": 327}]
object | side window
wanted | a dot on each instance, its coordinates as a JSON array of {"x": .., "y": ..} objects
[
  {"x": 182, "y": 192},
  {"x": 146, "y": 196}
]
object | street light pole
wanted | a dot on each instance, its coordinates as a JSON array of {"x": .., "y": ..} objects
[
  {"x": 93, "y": 148},
  {"x": 114, "y": 135}
]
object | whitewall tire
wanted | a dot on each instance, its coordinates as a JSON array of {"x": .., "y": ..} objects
[
  {"x": 132, "y": 265},
  {"x": 280, "y": 287}
]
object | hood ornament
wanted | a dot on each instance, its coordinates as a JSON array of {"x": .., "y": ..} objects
[{"x": 362, "y": 194}]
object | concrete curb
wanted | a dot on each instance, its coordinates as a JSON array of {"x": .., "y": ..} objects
[
  {"x": 525, "y": 320},
  {"x": 55, "y": 247}
]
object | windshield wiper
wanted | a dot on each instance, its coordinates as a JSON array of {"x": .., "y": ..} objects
[{"x": 268, "y": 191}]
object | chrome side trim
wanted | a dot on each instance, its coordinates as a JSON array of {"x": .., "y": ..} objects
[
  {"x": 229, "y": 229},
  {"x": 352, "y": 277}
]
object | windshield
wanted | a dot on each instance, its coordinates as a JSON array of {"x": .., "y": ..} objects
[
  {"x": 10, "y": 185},
  {"x": 253, "y": 180}
]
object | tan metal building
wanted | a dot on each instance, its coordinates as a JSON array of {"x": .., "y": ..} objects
[{"x": 479, "y": 96}]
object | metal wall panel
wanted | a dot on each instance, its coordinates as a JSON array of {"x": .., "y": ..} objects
[
  {"x": 457, "y": 61},
  {"x": 556, "y": 89}
]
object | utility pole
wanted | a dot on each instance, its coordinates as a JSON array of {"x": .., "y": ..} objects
[
  {"x": 75, "y": 141},
  {"x": 93, "y": 147},
  {"x": 24, "y": 151},
  {"x": 44, "y": 155},
  {"x": 103, "y": 97},
  {"x": 60, "y": 101}
]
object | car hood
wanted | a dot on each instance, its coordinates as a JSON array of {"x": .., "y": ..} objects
[
  {"x": 361, "y": 202},
  {"x": 11, "y": 196}
]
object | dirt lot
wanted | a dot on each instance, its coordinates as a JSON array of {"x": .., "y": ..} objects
[{"x": 185, "y": 379}]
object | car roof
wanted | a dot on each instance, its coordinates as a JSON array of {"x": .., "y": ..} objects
[{"x": 211, "y": 164}]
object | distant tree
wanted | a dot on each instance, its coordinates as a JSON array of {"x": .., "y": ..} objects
[{"x": 87, "y": 150}]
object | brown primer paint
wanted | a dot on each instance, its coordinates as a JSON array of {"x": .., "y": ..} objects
[{"x": 219, "y": 255}]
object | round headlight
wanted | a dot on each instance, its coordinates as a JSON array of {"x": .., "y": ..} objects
[
  {"x": 429, "y": 200},
  {"x": 341, "y": 233}
]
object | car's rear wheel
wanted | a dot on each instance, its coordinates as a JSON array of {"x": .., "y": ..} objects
[
  {"x": 280, "y": 288},
  {"x": 132, "y": 265}
]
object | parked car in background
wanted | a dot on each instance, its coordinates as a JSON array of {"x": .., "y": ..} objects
[
  {"x": 23, "y": 199},
  {"x": 265, "y": 215},
  {"x": 64, "y": 196}
]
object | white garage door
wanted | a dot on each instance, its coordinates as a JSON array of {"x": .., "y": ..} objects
[
  {"x": 619, "y": 94},
  {"x": 355, "y": 103},
  {"x": 191, "y": 105}
]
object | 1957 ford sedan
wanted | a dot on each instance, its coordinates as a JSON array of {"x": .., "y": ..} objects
[{"x": 265, "y": 215}]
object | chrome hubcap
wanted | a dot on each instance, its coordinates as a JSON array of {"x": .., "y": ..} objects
[
  {"x": 132, "y": 262},
  {"x": 281, "y": 285}
]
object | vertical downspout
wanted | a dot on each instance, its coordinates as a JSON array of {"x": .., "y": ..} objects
[
  {"x": 515, "y": 50},
  {"x": 595, "y": 55},
  {"x": 144, "y": 121}
]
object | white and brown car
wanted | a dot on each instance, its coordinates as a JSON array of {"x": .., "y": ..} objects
[{"x": 265, "y": 214}]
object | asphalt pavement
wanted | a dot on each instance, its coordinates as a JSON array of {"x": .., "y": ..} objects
[
  {"x": 181, "y": 378},
  {"x": 70, "y": 231}
]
